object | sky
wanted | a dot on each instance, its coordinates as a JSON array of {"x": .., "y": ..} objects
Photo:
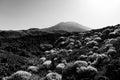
[{"x": 25, "y": 14}]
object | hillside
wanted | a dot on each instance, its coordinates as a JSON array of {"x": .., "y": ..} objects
[{"x": 89, "y": 55}]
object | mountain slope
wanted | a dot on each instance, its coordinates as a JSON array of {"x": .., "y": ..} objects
[
  {"x": 100, "y": 49},
  {"x": 69, "y": 27}
]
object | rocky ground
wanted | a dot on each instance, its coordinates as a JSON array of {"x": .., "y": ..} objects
[{"x": 59, "y": 55}]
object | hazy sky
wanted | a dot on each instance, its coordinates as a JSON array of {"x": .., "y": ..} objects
[{"x": 24, "y": 14}]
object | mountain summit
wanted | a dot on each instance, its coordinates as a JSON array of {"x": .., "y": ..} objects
[{"x": 68, "y": 26}]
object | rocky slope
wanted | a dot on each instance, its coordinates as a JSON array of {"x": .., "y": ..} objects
[{"x": 89, "y": 55}]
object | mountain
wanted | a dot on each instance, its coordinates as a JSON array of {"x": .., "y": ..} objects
[
  {"x": 60, "y": 29},
  {"x": 68, "y": 26}
]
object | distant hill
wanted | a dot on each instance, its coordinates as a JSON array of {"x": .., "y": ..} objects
[
  {"x": 29, "y": 32},
  {"x": 68, "y": 26},
  {"x": 61, "y": 28}
]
